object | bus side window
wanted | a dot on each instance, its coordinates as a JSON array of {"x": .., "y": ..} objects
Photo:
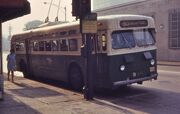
[
  {"x": 48, "y": 45},
  {"x": 63, "y": 45},
  {"x": 17, "y": 46},
  {"x": 20, "y": 46},
  {"x": 55, "y": 45},
  {"x": 35, "y": 46},
  {"x": 41, "y": 46},
  {"x": 73, "y": 45},
  {"x": 104, "y": 42}
]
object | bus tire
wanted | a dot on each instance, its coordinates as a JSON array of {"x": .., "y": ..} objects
[{"x": 75, "y": 78}]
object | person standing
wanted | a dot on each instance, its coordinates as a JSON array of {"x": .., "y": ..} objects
[{"x": 11, "y": 64}]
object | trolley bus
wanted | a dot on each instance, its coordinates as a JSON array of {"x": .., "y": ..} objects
[{"x": 124, "y": 52}]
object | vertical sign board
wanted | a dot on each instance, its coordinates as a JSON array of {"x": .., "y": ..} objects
[{"x": 89, "y": 24}]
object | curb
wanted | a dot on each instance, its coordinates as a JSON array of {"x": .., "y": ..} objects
[{"x": 169, "y": 63}]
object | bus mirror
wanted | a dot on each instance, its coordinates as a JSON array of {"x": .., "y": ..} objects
[{"x": 84, "y": 51}]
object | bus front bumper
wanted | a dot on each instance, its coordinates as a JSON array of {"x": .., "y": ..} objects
[{"x": 126, "y": 82}]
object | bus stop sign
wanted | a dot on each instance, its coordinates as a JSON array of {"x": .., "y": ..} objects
[{"x": 89, "y": 23}]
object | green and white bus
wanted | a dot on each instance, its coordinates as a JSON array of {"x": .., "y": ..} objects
[{"x": 124, "y": 52}]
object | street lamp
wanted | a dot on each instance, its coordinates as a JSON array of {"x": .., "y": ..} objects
[{"x": 58, "y": 6}]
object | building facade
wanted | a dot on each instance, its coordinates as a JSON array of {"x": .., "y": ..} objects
[{"x": 167, "y": 18}]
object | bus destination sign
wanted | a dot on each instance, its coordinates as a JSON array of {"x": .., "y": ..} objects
[{"x": 133, "y": 23}]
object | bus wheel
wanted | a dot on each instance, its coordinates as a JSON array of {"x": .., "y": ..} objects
[{"x": 75, "y": 78}]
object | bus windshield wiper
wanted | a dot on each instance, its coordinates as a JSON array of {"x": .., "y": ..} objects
[{"x": 126, "y": 41}]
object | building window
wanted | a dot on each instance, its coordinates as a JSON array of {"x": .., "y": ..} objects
[{"x": 174, "y": 28}]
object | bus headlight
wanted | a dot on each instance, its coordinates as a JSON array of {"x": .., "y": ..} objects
[
  {"x": 122, "y": 67},
  {"x": 152, "y": 62}
]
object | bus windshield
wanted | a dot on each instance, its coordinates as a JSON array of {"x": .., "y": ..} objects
[
  {"x": 130, "y": 38},
  {"x": 122, "y": 39},
  {"x": 144, "y": 37}
]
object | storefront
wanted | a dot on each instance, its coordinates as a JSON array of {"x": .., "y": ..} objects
[{"x": 10, "y": 10}]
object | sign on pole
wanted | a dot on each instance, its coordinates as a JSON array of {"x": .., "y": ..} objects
[{"x": 89, "y": 23}]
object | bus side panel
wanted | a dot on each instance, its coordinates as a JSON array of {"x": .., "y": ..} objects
[
  {"x": 53, "y": 67},
  {"x": 46, "y": 66}
]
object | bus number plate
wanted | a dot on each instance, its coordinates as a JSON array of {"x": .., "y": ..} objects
[{"x": 152, "y": 69}]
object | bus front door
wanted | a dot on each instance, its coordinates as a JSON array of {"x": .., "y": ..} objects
[
  {"x": 26, "y": 69},
  {"x": 101, "y": 53}
]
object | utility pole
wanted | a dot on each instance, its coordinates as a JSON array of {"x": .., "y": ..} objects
[{"x": 88, "y": 27}]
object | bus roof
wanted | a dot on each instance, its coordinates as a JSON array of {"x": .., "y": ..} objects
[
  {"x": 75, "y": 23},
  {"x": 123, "y": 16}
]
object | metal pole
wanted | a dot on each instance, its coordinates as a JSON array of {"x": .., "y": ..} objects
[
  {"x": 47, "y": 18},
  {"x": 1, "y": 70},
  {"x": 88, "y": 89},
  {"x": 1, "y": 66},
  {"x": 58, "y": 10}
]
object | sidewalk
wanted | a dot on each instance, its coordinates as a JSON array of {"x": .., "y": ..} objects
[
  {"x": 31, "y": 97},
  {"x": 168, "y": 63},
  {"x": 1, "y": 87}
]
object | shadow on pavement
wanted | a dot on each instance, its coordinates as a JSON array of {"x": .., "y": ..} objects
[{"x": 11, "y": 105}]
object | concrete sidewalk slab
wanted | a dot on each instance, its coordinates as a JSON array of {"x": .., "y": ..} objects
[{"x": 31, "y": 97}]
